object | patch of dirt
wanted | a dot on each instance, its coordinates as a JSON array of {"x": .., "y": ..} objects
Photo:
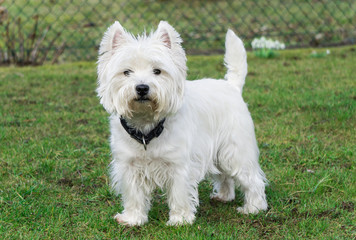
[
  {"x": 62, "y": 205},
  {"x": 14, "y": 123},
  {"x": 252, "y": 73},
  {"x": 346, "y": 165},
  {"x": 330, "y": 213},
  {"x": 65, "y": 182},
  {"x": 24, "y": 101},
  {"x": 83, "y": 121},
  {"x": 348, "y": 206}
]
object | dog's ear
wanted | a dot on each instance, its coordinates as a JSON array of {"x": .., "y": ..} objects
[
  {"x": 168, "y": 35},
  {"x": 113, "y": 38}
]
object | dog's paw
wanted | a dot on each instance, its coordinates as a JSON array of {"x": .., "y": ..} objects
[
  {"x": 177, "y": 220},
  {"x": 130, "y": 219},
  {"x": 222, "y": 198},
  {"x": 250, "y": 209}
]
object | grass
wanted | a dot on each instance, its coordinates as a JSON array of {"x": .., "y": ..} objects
[{"x": 54, "y": 154}]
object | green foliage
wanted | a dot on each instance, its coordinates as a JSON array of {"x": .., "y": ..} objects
[
  {"x": 318, "y": 54},
  {"x": 202, "y": 24},
  {"x": 54, "y": 154},
  {"x": 265, "y": 53}
]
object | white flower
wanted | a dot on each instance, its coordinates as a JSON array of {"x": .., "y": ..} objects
[
  {"x": 267, "y": 43},
  {"x": 254, "y": 43},
  {"x": 327, "y": 51}
]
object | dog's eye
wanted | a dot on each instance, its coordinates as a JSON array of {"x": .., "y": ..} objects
[
  {"x": 156, "y": 71},
  {"x": 127, "y": 73}
]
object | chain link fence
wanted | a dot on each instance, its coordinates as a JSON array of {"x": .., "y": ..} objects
[{"x": 45, "y": 28}]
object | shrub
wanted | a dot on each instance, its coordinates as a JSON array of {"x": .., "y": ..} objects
[{"x": 33, "y": 49}]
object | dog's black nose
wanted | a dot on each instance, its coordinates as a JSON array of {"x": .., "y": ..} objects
[{"x": 142, "y": 89}]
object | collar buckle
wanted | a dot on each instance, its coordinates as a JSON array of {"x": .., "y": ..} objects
[
  {"x": 139, "y": 136},
  {"x": 144, "y": 142}
]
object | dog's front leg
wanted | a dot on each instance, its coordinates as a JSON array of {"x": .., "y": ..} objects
[
  {"x": 136, "y": 197},
  {"x": 182, "y": 199}
]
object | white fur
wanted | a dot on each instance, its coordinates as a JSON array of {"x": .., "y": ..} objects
[{"x": 208, "y": 129}]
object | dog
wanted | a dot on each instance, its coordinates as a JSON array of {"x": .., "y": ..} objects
[{"x": 170, "y": 133}]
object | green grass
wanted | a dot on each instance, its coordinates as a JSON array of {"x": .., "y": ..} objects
[{"x": 54, "y": 154}]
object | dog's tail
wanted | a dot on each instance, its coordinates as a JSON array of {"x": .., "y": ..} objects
[{"x": 235, "y": 60}]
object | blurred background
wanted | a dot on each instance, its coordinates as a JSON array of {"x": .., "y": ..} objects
[{"x": 38, "y": 31}]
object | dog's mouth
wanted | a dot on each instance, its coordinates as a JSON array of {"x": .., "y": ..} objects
[
  {"x": 142, "y": 99},
  {"x": 143, "y": 105}
]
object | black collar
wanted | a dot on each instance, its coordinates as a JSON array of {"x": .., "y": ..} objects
[{"x": 141, "y": 137}]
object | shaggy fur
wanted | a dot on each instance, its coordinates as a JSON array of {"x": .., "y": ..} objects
[{"x": 208, "y": 129}]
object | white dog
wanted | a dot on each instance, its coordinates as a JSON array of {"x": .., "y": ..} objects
[{"x": 170, "y": 133}]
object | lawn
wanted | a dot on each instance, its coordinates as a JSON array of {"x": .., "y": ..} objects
[{"x": 54, "y": 153}]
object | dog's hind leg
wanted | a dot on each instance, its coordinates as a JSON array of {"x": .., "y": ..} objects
[
  {"x": 240, "y": 162},
  {"x": 224, "y": 188},
  {"x": 252, "y": 184}
]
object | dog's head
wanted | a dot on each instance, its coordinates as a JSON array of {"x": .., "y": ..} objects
[{"x": 141, "y": 76}]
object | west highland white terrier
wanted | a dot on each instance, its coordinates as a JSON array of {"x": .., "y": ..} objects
[{"x": 170, "y": 133}]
